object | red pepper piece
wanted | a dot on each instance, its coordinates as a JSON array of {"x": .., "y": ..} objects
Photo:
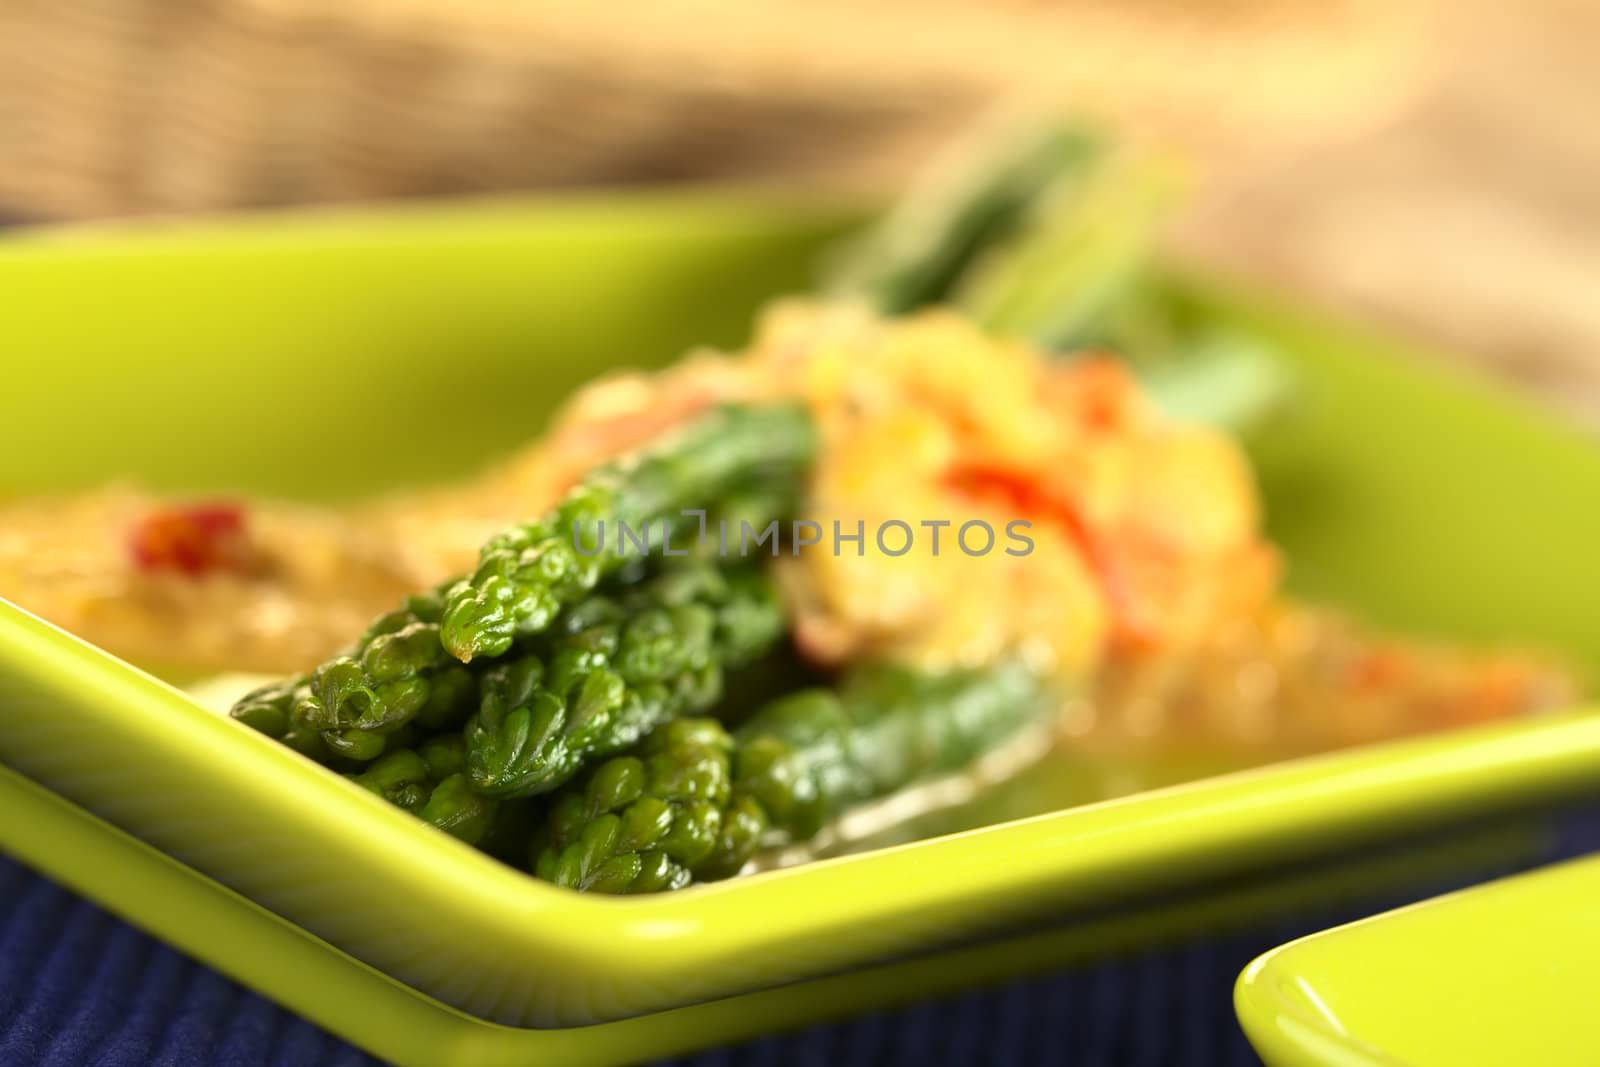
[{"x": 193, "y": 539}]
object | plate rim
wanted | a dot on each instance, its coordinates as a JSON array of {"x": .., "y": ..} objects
[{"x": 679, "y": 948}]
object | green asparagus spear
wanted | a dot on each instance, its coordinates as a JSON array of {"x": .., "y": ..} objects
[
  {"x": 454, "y": 807},
  {"x": 1050, "y": 238},
  {"x": 619, "y": 669},
  {"x": 267, "y": 710},
  {"x": 641, "y": 822},
  {"x": 1076, "y": 260},
  {"x": 526, "y": 575},
  {"x": 693, "y": 803},
  {"x": 402, "y": 670},
  {"x": 400, "y": 777},
  {"x": 270, "y": 710},
  {"x": 386, "y": 682},
  {"x": 351, "y": 706},
  {"x": 920, "y": 250},
  {"x": 411, "y": 779}
]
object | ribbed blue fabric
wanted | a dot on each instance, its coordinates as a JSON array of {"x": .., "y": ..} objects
[{"x": 79, "y": 988}]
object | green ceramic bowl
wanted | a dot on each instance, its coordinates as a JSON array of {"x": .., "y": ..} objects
[{"x": 219, "y": 356}]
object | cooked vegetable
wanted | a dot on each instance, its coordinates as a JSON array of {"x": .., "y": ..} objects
[
  {"x": 417, "y": 780},
  {"x": 356, "y": 700},
  {"x": 194, "y": 540},
  {"x": 528, "y": 574},
  {"x": 1050, "y": 237},
  {"x": 456, "y": 809},
  {"x": 268, "y": 709},
  {"x": 1083, "y": 247},
  {"x": 352, "y": 704},
  {"x": 695, "y": 803},
  {"x": 551, "y": 705},
  {"x": 919, "y": 252},
  {"x": 401, "y": 668},
  {"x": 399, "y": 777},
  {"x": 620, "y": 667}
]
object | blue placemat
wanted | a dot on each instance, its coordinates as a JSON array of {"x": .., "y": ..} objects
[{"x": 79, "y": 987}]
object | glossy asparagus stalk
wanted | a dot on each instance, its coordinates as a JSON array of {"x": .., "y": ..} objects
[
  {"x": 401, "y": 669},
  {"x": 1064, "y": 279},
  {"x": 1050, "y": 236},
  {"x": 694, "y": 802},
  {"x": 528, "y": 574},
  {"x": 957, "y": 214},
  {"x": 353, "y": 705},
  {"x": 427, "y": 781},
  {"x": 618, "y": 669}
]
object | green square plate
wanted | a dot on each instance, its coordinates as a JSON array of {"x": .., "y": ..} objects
[
  {"x": 1500, "y": 974},
  {"x": 223, "y": 355}
]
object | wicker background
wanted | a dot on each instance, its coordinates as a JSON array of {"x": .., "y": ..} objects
[
  {"x": 120, "y": 106},
  {"x": 1436, "y": 167},
  {"x": 1470, "y": 218}
]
